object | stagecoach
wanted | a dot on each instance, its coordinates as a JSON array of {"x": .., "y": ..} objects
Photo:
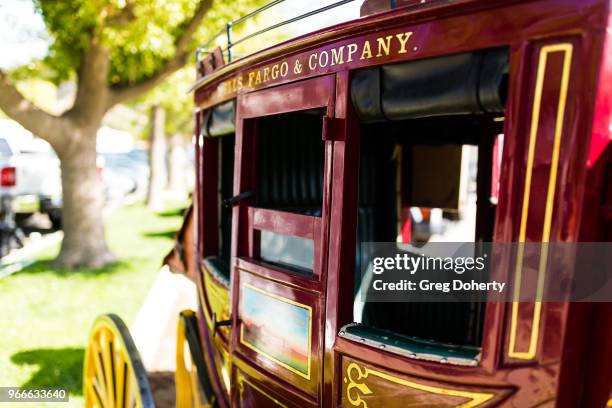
[{"x": 459, "y": 120}]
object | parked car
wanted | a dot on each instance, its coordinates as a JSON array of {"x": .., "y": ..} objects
[
  {"x": 30, "y": 175},
  {"x": 129, "y": 166}
]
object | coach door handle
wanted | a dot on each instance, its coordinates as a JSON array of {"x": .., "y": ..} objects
[
  {"x": 219, "y": 323},
  {"x": 232, "y": 201}
]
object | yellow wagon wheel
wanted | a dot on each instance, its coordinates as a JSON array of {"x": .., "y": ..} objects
[
  {"x": 193, "y": 390},
  {"x": 113, "y": 374}
]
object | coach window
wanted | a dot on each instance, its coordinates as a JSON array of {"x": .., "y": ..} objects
[
  {"x": 289, "y": 173},
  {"x": 218, "y": 163},
  {"x": 428, "y": 155}
]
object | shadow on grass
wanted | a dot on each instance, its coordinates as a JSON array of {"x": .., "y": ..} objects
[
  {"x": 172, "y": 213},
  {"x": 57, "y": 368},
  {"x": 47, "y": 266},
  {"x": 170, "y": 234}
]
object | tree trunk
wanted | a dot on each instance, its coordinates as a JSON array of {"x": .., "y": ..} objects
[
  {"x": 157, "y": 159},
  {"x": 176, "y": 165},
  {"x": 84, "y": 243}
]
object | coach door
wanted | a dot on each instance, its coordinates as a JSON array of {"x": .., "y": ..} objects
[{"x": 281, "y": 204}]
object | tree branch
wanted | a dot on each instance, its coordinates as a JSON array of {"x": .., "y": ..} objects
[
  {"x": 121, "y": 93},
  {"x": 123, "y": 16},
  {"x": 92, "y": 93},
  {"x": 37, "y": 121}
]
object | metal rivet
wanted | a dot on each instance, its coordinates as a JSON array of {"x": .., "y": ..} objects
[
  {"x": 443, "y": 360},
  {"x": 363, "y": 340},
  {"x": 341, "y": 333},
  {"x": 382, "y": 346},
  {"x": 412, "y": 355}
]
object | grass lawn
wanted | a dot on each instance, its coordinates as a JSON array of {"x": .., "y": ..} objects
[{"x": 46, "y": 313}]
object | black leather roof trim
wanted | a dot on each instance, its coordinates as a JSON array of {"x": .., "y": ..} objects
[
  {"x": 458, "y": 84},
  {"x": 493, "y": 82},
  {"x": 220, "y": 120},
  {"x": 366, "y": 95}
]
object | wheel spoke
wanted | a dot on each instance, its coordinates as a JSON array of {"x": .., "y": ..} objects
[
  {"x": 96, "y": 356},
  {"x": 93, "y": 392},
  {"x": 106, "y": 358},
  {"x": 121, "y": 373},
  {"x": 99, "y": 377},
  {"x": 128, "y": 391},
  {"x": 100, "y": 393},
  {"x": 112, "y": 377},
  {"x": 133, "y": 387}
]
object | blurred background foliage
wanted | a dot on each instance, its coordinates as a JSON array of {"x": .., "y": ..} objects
[{"x": 139, "y": 33}]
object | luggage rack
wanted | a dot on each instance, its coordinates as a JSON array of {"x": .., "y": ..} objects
[{"x": 227, "y": 29}]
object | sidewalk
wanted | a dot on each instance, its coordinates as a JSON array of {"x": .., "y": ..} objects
[{"x": 154, "y": 331}]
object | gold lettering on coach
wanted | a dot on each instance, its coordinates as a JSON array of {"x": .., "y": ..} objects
[
  {"x": 366, "y": 52},
  {"x": 343, "y": 54},
  {"x": 378, "y": 48},
  {"x": 403, "y": 39},
  {"x": 384, "y": 44},
  {"x": 337, "y": 56},
  {"x": 352, "y": 49}
]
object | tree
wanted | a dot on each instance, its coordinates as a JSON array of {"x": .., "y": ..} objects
[
  {"x": 177, "y": 127},
  {"x": 157, "y": 157},
  {"x": 116, "y": 50}
]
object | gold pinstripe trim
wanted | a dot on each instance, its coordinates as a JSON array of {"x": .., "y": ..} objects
[
  {"x": 567, "y": 49},
  {"x": 242, "y": 380}
]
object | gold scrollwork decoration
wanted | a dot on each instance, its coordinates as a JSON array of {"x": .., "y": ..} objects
[
  {"x": 356, "y": 387},
  {"x": 360, "y": 387}
]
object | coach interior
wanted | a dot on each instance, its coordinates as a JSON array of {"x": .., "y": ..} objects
[{"x": 428, "y": 172}]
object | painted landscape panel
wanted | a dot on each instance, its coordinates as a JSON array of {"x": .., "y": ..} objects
[{"x": 277, "y": 328}]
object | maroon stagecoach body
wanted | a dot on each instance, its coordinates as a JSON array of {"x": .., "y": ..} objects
[{"x": 555, "y": 185}]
